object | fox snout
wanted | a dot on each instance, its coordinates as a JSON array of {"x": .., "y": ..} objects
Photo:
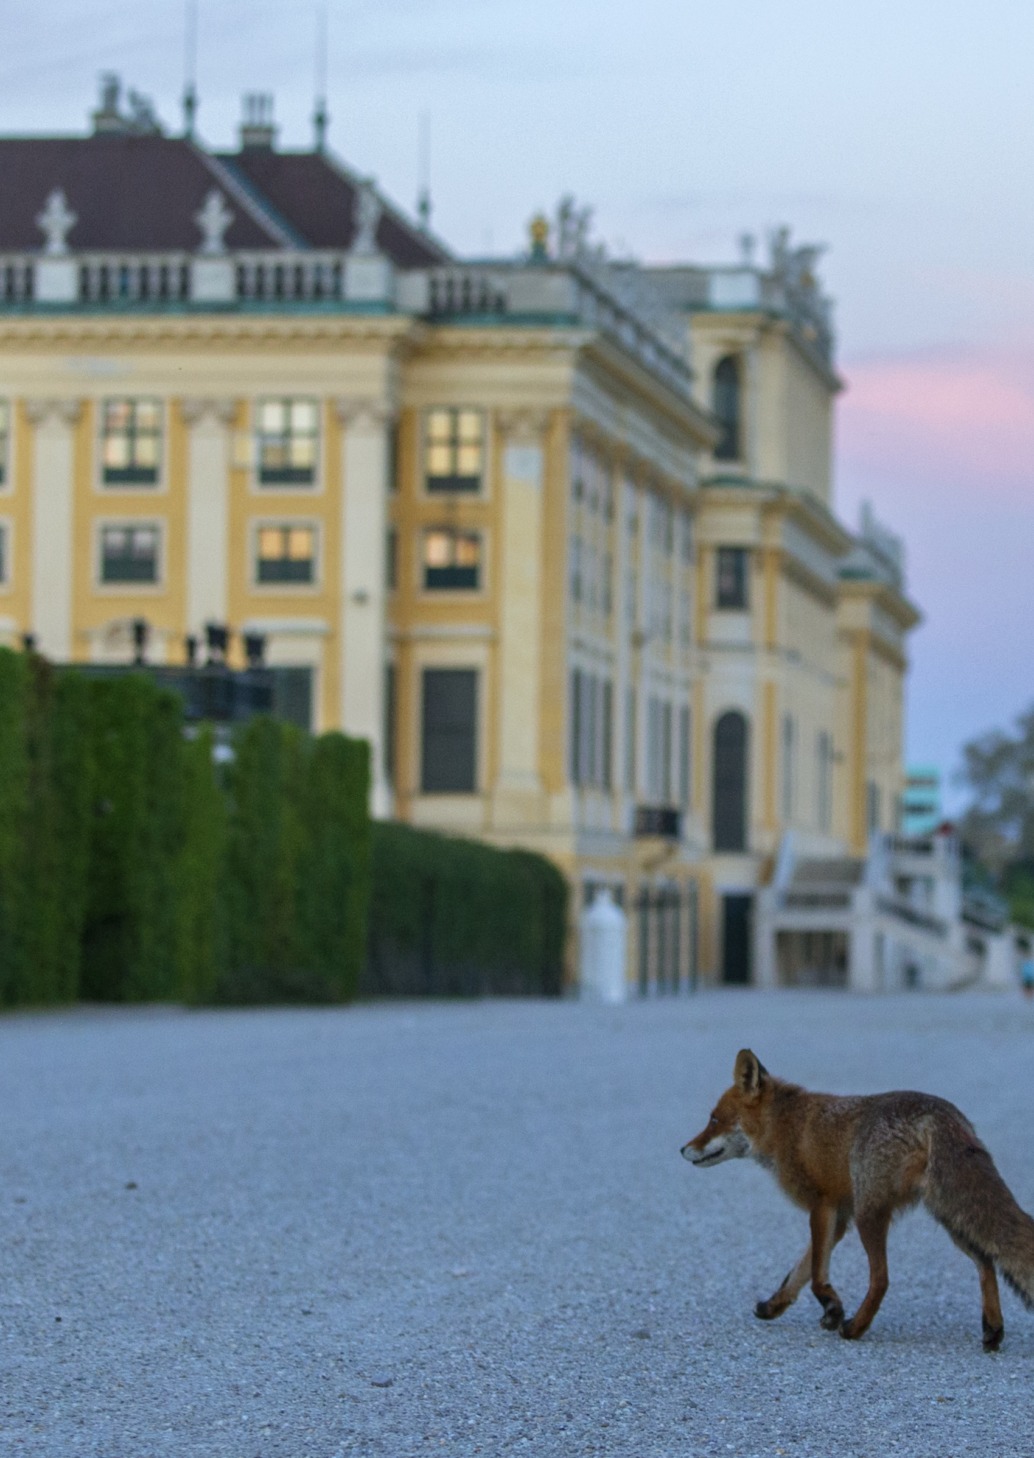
[{"x": 704, "y": 1151}]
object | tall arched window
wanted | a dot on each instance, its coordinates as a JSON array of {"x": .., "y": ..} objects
[
  {"x": 727, "y": 407},
  {"x": 729, "y": 798}
]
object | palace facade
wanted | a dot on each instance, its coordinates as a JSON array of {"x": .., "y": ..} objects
[{"x": 555, "y": 535}]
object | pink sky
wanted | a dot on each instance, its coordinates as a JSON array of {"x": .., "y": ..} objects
[{"x": 942, "y": 443}]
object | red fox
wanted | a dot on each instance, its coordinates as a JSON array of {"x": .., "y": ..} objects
[{"x": 864, "y": 1159}]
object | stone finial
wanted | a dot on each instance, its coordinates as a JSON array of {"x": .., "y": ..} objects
[
  {"x": 213, "y": 219},
  {"x": 368, "y": 210},
  {"x": 56, "y": 221}
]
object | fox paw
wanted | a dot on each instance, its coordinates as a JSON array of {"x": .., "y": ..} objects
[
  {"x": 992, "y": 1337},
  {"x": 765, "y": 1311},
  {"x": 832, "y": 1319},
  {"x": 848, "y": 1331}
]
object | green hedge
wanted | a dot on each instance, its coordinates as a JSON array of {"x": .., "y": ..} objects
[
  {"x": 133, "y": 867},
  {"x": 297, "y": 866},
  {"x": 455, "y": 917}
]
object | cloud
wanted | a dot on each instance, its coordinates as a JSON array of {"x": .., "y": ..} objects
[{"x": 964, "y": 418}]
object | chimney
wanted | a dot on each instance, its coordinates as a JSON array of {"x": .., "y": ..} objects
[{"x": 257, "y": 129}]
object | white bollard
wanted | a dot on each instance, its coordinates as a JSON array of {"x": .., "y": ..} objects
[{"x": 602, "y": 950}]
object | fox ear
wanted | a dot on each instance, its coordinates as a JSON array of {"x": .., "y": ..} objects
[{"x": 749, "y": 1073}]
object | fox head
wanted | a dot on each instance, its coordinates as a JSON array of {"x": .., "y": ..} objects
[{"x": 730, "y": 1132}]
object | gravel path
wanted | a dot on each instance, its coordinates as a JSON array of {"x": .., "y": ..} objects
[{"x": 466, "y": 1229}]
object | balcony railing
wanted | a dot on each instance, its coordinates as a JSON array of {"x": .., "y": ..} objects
[{"x": 660, "y": 822}]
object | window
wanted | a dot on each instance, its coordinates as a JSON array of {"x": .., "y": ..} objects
[
  {"x": 591, "y": 730},
  {"x": 287, "y": 441},
  {"x": 872, "y": 806},
  {"x": 390, "y": 720},
  {"x": 686, "y": 539},
  {"x": 607, "y": 736},
  {"x": 286, "y": 554},
  {"x": 454, "y": 450},
  {"x": 729, "y": 800},
  {"x": 131, "y": 442},
  {"x": 726, "y": 399},
  {"x": 5, "y": 436},
  {"x": 452, "y": 560},
  {"x": 129, "y": 553},
  {"x": 630, "y": 741},
  {"x": 685, "y": 756},
  {"x": 4, "y": 555},
  {"x": 825, "y": 806},
  {"x": 788, "y": 766},
  {"x": 391, "y": 559},
  {"x": 576, "y": 569},
  {"x": 732, "y": 579},
  {"x": 449, "y": 737}
]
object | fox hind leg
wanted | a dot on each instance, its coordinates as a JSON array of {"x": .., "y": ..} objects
[
  {"x": 872, "y": 1230},
  {"x": 991, "y": 1306}
]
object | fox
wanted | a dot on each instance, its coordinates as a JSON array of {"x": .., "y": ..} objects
[{"x": 864, "y": 1159}]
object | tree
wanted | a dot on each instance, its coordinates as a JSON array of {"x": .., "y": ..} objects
[{"x": 999, "y": 770}]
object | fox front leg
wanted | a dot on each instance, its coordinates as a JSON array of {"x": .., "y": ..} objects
[
  {"x": 788, "y": 1292},
  {"x": 827, "y": 1228}
]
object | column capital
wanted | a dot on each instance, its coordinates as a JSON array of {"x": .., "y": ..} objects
[
  {"x": 194, "y": 408},
  {"x": 523, "y": 426},
  {"x": 364, "y": 412},
  {"x": 39, "y": 408}
]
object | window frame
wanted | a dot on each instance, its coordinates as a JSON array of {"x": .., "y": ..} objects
[
  {"x": 6, "y": 553},
  {"x": 6, "y": 435},
  {"x": 738, "y": 601},
  {"x": 470, "y": 784},
  {"x": 282, "y": 480},
  {"x": 285, "y": 525},
  {"x": 132, "y": 478},
  {"x": 455, "y": 534},
  {"x": 118, "y": 587},
  {"x": 455, "y": 482}
]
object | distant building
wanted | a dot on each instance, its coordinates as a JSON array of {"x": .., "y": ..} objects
[
  {"x": 921, "y": 810},
  {"x": 905, "y": 915},
  {"x": 556, "y": 535}
]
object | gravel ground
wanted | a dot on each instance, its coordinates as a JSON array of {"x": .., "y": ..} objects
[{"x": 466, "y": 1229}]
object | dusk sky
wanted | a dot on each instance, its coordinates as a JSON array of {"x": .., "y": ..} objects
[{"x": 899, "y": 134}]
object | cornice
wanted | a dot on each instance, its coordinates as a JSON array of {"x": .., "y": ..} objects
[
  {"x": 904, "y": 613},
  {"x": 120, "y": 331}
]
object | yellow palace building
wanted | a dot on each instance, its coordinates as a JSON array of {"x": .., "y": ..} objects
[{"x": 555, "y": 535}]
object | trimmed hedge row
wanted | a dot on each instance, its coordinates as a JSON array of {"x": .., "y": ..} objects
[
  {"x": 452, "y": 917},
  {"x": 133, "y": 867}
]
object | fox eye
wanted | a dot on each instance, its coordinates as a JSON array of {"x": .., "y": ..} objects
[{"x": 712, "y": 1120}]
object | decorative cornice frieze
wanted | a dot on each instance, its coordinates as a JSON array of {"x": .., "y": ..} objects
[
  {"x": 195, "y": 408},
  {"x": 41, "y": 408},
  {"x": 523, "y": 426},
  {"x": 364, "y": 413}
]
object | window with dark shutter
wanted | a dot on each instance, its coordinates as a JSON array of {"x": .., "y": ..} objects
[
  {"x": 449, "y": 739},
  {"x": 726, "y": 398},
  {"x": 729, "y": 807}
]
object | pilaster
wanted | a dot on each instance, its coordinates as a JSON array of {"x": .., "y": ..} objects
[
  {"x": 53, "y": 527},
  {"x": 522, "y": 478},
  {"x": 208, "y": 423},
  {"x": 364, "y": 478}
]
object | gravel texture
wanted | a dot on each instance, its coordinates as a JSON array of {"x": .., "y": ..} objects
[{"x": 465, "y": 1228}]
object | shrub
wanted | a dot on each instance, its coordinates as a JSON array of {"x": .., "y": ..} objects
[{"x": 456, "y": 917}]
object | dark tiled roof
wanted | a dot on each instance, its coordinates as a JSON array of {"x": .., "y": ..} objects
[
  {"x": 316, "y": 197},
  {"x": 128, "y": 192},
  {"x": 142, "y": 192}
]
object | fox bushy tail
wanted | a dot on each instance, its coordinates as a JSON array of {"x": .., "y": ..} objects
[{"x": 965, "y": 1192}]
